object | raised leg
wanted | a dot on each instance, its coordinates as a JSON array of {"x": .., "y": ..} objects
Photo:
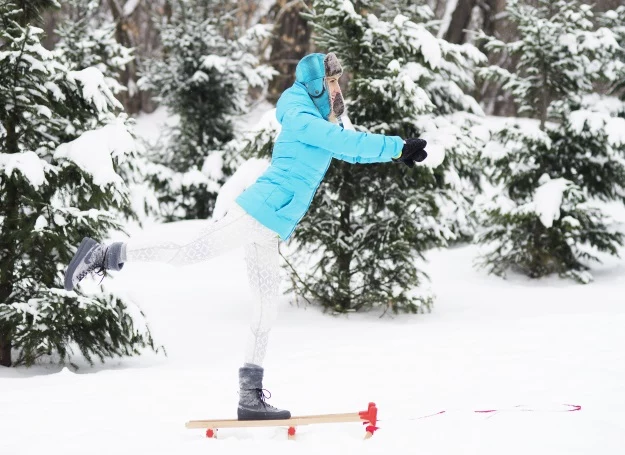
[{"x": 234, "y": 230}]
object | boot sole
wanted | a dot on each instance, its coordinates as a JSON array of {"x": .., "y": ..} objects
[
  {"x": 244, "y": 415},
  {"x": 83, "y": 248}
]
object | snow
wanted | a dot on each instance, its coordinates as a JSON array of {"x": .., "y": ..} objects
[
  {"x": 193, "y": 177},
  {"x": 400, "y": 20},
  {"x": 27, "y": 163},
  {"x": 613, "y": 15},
  {"x": 394, "y": 66},
  {"x": 605, "y": 104},
  {"x": 614, "y": 127},
  {"x": 129, "y": 7},
  {"x": 570, "y": 41},
  {"x": 56, "y": 92},
  {"x": 603, "y": 38},
  {"x": 449, "y": 11},
  {"x": 548, "y": 199},
  {"x": 35, "y": 65},
  {"x": 445, "y": 133},
  {"x": 488, "y": 344},
  {"x": 219, "y": 63},
  {"x": 473, "y": 53},
  {"x": 245, "y": 176},
  {"x": 264, "y": 6},
  {"x": 348, "y": 7},
  {"x": 94, "y": 88},
  {"x": 422, "y": 40},
  {"x": 261, "y": 117},
  {"x": 44, "y": 111},
  {"x": 151, "y": 126},
  {"x": 41, "y": 223},
  {"x": 581, "y": 118},
  {"x": 528, "y": 127},
  {"x": 94, "y": 150},
  {"x": 199, "y": 77},
  {"x": 437, "y": 141},
  {"x": 346, "y": 121},
  {"x": 35, "y": 30},
  {"x": 213, "y": 166}
]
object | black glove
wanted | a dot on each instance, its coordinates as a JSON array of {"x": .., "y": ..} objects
[{"x": 413, "y": 152}]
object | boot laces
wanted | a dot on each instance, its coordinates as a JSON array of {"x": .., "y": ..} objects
[
  {"x": 97, "y": 267},
  {"x": 263, "y": 395}
]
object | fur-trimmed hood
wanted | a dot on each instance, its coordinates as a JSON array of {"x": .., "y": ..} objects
[{"x": 311, "y": 72}]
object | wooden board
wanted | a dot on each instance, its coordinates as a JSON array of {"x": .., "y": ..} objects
[
  {"x": 368, "y": 417},
  {"x": 292, "y": 422}
]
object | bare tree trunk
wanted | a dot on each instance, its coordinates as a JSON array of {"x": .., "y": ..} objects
[
  {"x": 438, "y": 7},
  {"x": 247, "y": 12},
  {"x": 124, "y": 35},
  {"x": 50, "y": 19},
  {"x": 345, "y": 255},
  {"x": 5, "y": 349},
  {"x": 494, "y": 23},
  {"x": 459, "y": 22},
  {"x": 149, "y": 41},
  {"x": 8, "y": 256},
  {"x": 605, "y": 5},
  {"x": 290, "y": 43}
]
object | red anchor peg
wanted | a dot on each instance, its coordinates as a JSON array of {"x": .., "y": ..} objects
[{"x": 370, "y": 418}]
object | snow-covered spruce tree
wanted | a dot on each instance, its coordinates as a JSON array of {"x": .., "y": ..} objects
[
  {"x": 87, "y": 39},
  {"x": 551, "y": 172},
  {"x": 417, "y": 10},
  {"x": 357, "y": 246},
  {"x": 204, "y": 78},
  {"x": 615, "y": 21},
  {"x": 60, "y": 143}
]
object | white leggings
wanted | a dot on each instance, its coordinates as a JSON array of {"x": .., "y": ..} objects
[{"x": 236, "y": 229}]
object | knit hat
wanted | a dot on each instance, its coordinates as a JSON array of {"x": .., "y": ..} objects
[{"x": 311, "y": 71}]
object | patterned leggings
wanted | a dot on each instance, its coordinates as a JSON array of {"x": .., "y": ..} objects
[{"x": 237, "y": 228}]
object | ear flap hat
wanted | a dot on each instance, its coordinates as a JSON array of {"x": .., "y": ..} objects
[{"x": 311, "y": 71}]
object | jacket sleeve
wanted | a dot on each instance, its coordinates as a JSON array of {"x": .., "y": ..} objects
[{"x": 346, "y": 145}]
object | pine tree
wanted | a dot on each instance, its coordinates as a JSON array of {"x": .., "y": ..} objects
[
  {"x": 615, "y": 21},
  {"x": 545, "y": 219},
  {"x": 418, "y": 11},
  {"x": 88, "y": 40},
  {"x": 60, "y": 143},
  {"x": 204, "y": 78},
  {"x": 367, "y": 224}
]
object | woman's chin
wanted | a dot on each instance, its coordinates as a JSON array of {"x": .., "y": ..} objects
[{"x": 338, "y": 107}]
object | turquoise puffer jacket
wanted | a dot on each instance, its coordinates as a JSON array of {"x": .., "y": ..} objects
[{"x": 301, "y": 156}]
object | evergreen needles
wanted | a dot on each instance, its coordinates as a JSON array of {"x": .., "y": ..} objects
[{"x": 546, "y": 218}]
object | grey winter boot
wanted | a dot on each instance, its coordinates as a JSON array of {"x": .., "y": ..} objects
[
  {"x": 90, "y": 257},
  {"x": 252, "y": 404}
]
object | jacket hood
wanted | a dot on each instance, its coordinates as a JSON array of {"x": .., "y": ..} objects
[
  {"x": 295, "y": 96},
  {"x": 310, "y": 72},
  {"x": 310, "y": 85}
]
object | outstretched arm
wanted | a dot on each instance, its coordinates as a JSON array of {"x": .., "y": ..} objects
[{"x": 346, "y": 145}]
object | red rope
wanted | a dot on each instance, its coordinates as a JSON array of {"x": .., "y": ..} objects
[{"x": 568, "y": 408}]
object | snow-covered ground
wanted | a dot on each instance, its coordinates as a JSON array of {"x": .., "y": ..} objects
[{"x": 488, "y": 344}]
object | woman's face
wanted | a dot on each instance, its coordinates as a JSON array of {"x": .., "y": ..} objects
[{"x": 336, "y": 97}]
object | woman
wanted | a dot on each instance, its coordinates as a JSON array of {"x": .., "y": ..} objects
[{"x": 268, "y": 210}]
